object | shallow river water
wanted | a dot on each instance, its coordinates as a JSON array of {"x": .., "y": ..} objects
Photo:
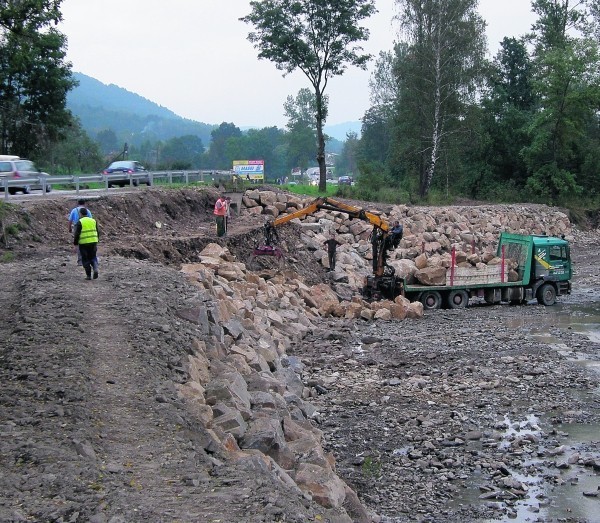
[{"x": 562, "y": 498}]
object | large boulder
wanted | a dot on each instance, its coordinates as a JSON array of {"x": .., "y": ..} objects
[{"x": 431, "y": 276}]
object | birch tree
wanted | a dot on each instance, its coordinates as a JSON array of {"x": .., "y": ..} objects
[{"x": 438, "y": 77}]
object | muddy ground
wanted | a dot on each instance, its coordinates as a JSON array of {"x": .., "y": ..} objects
[{"x": 465, "y": 415}]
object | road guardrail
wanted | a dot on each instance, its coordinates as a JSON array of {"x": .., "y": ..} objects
[{"x": 80, "y": 181}]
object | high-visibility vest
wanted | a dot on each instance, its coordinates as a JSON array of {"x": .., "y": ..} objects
[
  {"x": 89, "y": 231},
  {"x": 221, "y": 207}
]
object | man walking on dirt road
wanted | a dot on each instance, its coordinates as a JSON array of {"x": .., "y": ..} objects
[
  {"x": 86, "y": 237},
  {"x": 74, "y": 216}
]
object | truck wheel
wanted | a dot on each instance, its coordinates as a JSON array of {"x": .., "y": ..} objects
[
  {"x": 431, "y": 300},
  {"x": 458, "y": 299},
  {"x": 546, "y": 294}
]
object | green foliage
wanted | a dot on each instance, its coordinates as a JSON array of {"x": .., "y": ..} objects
[
  {"x": 532, "y": 133},
  {"x": 346, "y": 163},
  {"x": 217, "y": 154},
  {"x": 438, "y": 72},
  {"x": 302, "y": 135},
  {"x": 318, "y": 37},
  {"x": 74, "y": 153},
  {"x": 7, "y": 257},
  {"x": 567, "y": 81},
  {"x": 371, "y": 467},
  {"x": 34, "y": 77},
  {"x": 552, "y": 184},
  {"x": 107, "y": 141},
  {"x": 183, "y": 152},
  {"x": 5, "y": 228}
]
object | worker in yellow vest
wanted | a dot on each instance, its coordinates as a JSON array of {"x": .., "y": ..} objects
[{"x": 86, "y": 237}]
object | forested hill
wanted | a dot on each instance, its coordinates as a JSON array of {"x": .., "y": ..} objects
[{"x": 101, "y": 107}]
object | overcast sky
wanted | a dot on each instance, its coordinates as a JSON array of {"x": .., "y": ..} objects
[{"x": 192, "y": 56}]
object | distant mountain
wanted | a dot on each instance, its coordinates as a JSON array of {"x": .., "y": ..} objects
[
  {"x": 135, "y": 119},
  {"x": 339, "y": 131},
  {"x": 132, "y": 117}
]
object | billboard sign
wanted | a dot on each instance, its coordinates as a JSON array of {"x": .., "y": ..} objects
[{"x": 250, "y": 169}]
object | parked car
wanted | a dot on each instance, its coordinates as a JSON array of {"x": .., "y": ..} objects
[
  {"x": 126, "y": 167},
  {"x": 15, "y": 168},
  {"x": 345, "y": 180}
]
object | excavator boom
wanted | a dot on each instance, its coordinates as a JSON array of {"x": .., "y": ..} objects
[
  {"x": 331, "y": 204},
  {"x": 379, "y": 236}
]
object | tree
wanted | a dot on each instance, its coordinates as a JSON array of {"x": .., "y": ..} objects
[
  {"x": 318, "y": 37},
  {"x": 301, "y": 110},
  {"x": 302, "y": 133},
  {"x": 107, "y": 140},
  {"x": 183, "y": 152},
  {"x": 34, "y": 77},
  {"x": 217, "y": 152},
  {"x": 508, "y": 109},
  {"x": 76, "y": 153},
  {"x": 567, "y": 65},
  {"x": 346, "y": 163},
  {"x": 438, "y": 76}
]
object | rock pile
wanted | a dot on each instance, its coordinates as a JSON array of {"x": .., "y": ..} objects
[
  {"x": 243, "y": 385},
  {"x": 246, "y": 389},
  {"x": 430, "y": 234}
]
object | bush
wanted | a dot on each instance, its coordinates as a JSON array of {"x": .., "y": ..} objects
[{"x": 7, "y": 257}]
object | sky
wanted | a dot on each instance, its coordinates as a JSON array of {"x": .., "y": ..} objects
[{"x": 193, "y": 56}]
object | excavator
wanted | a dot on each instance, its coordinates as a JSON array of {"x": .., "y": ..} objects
[{"x": 383, "y": 283}]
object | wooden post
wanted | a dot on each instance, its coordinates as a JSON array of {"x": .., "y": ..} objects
[{"x": 502, "y": 265}]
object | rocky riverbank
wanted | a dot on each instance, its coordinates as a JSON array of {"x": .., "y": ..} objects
[{"x": 219, "y": 392}]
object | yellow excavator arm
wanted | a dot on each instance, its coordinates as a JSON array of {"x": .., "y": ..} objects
[
  {"x": 378, "y": 236},
  {"x": 335, "y": 205}
]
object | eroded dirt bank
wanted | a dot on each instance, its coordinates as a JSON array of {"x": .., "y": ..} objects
[{"x": 419, "y": 415}]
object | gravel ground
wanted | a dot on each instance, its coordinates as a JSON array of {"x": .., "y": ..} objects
[
  {"x": 487, "y": 413},
  {"x": 466, "y": 414}
]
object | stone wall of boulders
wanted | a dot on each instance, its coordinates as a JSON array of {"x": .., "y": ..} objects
[
  {"x": 245, "y": 388},
  {"x": 429, "y": 232}
]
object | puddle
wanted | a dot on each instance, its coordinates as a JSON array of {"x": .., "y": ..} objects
[
  {"x": 583, "y": 319},
  {"x": 559, "y": 499},
  {"x": 552, "y": 494}
]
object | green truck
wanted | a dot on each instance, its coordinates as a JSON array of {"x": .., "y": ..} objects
[{"x": 541, "y": 269}]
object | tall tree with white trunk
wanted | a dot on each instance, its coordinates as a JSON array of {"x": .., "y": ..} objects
[{"x": 438, "y": 75}]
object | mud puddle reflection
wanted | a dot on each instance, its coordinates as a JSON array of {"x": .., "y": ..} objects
[
  {"x": 560, "y": 483},
  {"x": 581, "y": 318}
]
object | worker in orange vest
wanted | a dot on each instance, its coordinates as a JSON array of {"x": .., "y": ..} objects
[{"x": 220, "y": 213}]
